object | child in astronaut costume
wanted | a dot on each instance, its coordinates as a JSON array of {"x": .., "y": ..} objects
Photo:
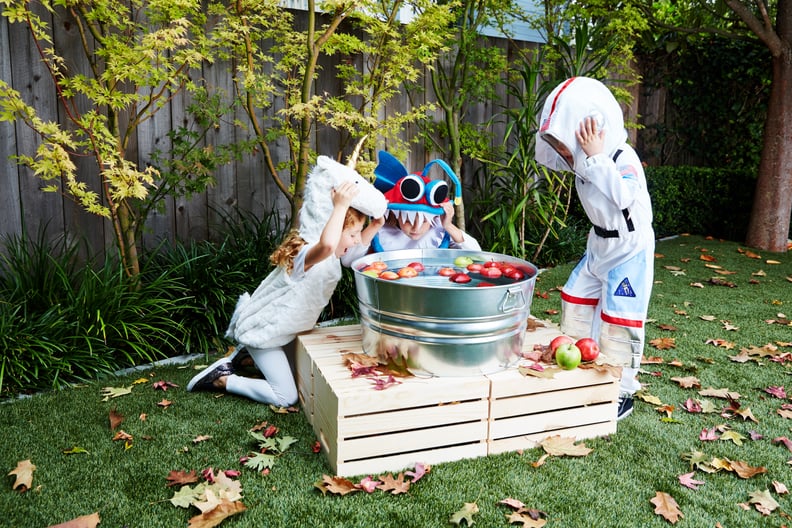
[
  {"x": 289, "y": 300},
  {"x": 420, "y": 214},
  {"x": 607, "y": 294}
]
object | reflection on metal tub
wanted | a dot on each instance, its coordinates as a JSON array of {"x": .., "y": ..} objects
[{"x": 436, "y": 326}]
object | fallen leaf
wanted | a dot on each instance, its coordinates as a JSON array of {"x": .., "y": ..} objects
[
  {"x": 115, "y": 392},
  {"x": 395, "y": 485},
  {"x": 720, "y": 393},
  {"x": 780, "y": 488},
  {"x": 745, "y": 471},
  {"x": 419, "y": 472},
  {"x": 24, "y": 475},
  {"x": 688, "y": 481},
  {"x": 84, "y": 521},
  {"x": 116, "y": 419},
  {"x": 666, "y": 506},
  {"x": 466, "y": 514},
  {"x": 216, "y": 515},
  {"x": 180, "y": 478},
  {"x": 559, "y": 446},
  {"x": 688, "y": 382},
  {"x": 763, "y": 501},
  {"x": 368, "y": 484},
  {"x": 663, "y": 343}
]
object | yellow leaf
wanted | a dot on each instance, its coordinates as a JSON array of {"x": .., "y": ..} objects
[
  {"x": 559, "y": 446},
  {"x": 24, "y": 475}
]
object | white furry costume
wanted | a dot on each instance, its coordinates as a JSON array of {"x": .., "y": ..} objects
[
  {"x": 286, "y": 304},
  {"x": 607, "y": 295}
]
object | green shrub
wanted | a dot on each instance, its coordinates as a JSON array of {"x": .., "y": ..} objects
[
  {"x": 62, "y": 322},
  {"x": 715, "y": 202}
]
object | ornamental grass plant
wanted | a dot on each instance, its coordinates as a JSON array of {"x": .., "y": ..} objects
[{"x": 717, "y": 321}]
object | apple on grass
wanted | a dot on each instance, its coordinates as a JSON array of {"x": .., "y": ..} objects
[
  {"x": 567, "y": 356},
  {"x": 589, "y": 348}
]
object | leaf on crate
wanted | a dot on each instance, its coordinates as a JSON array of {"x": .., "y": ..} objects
[
  {"x": 537, "y": 370},
  {"x": 24, "y": 475},
  {"x": 614, "y": 371},
  {"x": 564, "y": 446},
  {"x": 688, "y": 481},
  {"x": 358, "y": 359},
  {"x": 666, "y": 506},
  {"x": 465, "y": 513}
]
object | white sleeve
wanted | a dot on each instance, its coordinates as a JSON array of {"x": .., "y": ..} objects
[{"x": 353, "y": 253}]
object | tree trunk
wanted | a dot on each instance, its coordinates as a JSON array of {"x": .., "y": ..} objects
[{"x": 768, "y": 228}]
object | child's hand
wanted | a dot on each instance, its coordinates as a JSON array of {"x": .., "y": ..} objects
[
  {"x": 591, "y": 141},
  {"x": 344, "y": 194},
  {"x": 448, "y": 214}
]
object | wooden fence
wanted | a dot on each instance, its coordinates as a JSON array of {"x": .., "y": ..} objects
[{"x": 24, "y": 208}]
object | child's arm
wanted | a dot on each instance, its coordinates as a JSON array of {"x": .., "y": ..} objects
[
  {"x": 371, "y": 229},
  {"x": 456, "y": 234},
  {"x": 331, "y": 234}
]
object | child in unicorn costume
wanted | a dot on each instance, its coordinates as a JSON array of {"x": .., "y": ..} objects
[
  {"x": 289, "y": 300},
  {"x": 607, "y": 295},
  {"x": 420, "y": 214}
]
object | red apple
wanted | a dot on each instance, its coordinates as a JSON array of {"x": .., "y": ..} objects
[
  {"x": 491, "y": 272},
  {"x": 491, "y": 264},
  {"x": 446, "y": 272},
  {"x": 417, "y": 266},
  {"x": 589, "y": 349},
  {"x": 484, "y": 284},
  {"x": 460, "y": 278},
  {"x": 560, "y": 340},
  {"x": 408, "y": 272},
  {"x": 378, "y": 265},
  {"x": 515, "y": 274},
  {"x": 475, "y": 267},
  {"x": 389, "y": 275}
]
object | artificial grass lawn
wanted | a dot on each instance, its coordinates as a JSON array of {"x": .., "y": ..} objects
[{"x": 611, "y": 487}]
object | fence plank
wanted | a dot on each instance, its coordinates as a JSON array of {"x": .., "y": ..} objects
[{"x": 10, "y": 199}]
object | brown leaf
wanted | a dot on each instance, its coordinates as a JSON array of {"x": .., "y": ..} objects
[
  {"x": 663, "y": 343},
  {"x": 559, "y": 446},
  {"x": 176, "y": 478},
  {"x": 116, "y": 419},
  {"x": 748, "y": 253},
  {"x": 217, "y": 515},
  {"x": 526, "y": 520},
  {"x": 337, "y": 485},
  {"x": 352, "y": 358},
  {"x": 670, "y": 328},
  {"x": 122, "y": 435},
  {"x": 394, "y": 485},
  {"x": 720, "y": 393},
  {"x": 745, "y": 471},
  {"x": 780, "y": 488},
  {"x": 84, "y": 521},
  {"x": 707, "y": 258},
  {"x": 688, "y": 382},
  {"x": 666, "y": 506},
  {"x": 722, "y": 343},
  {"x": 24, "y": 475}
]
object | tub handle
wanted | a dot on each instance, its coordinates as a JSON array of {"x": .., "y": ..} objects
[{"x": 513, "y": 300}]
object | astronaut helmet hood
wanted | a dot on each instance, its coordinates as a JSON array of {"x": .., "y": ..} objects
[{"x": 567, "y": 105}]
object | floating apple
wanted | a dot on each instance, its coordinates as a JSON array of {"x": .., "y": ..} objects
[
  {"x": 491, "y": 272},
  {"x": 491, "y": 264},
  {"x": 463, "y": 261},
  {"x": 408, "y": 272},
  {"x": 371, "y": 272},
  {"x": 378, "y": 265},
  {"x": 389, "y": 275},
  {"x": 460, "y": 278},
  {"x": 484, "y": 284},
  {"x": 417, "y": 266},
  {"x": 446, "y": 272},
  {"x": 475, "y": 267},
  {"x": 515, "y": 275}
]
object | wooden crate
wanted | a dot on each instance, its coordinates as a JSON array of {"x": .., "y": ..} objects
[{"x": 440, "y": 419}]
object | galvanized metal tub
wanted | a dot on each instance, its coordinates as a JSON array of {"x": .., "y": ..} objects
[{"x": 440, "y": 328}]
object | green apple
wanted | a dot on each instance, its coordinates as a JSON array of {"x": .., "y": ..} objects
[
  {"x": 567, "y": 356},
  {"x": 463, "y": 261}
]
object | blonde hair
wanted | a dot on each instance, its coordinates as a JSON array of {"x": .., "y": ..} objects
[{"x": 285, "y": 253}]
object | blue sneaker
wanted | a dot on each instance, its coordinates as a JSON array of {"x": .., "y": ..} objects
[{"x": 625, "y": 406}]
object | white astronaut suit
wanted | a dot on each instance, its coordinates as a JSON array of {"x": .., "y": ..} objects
[{"x": 607, "y": 294}]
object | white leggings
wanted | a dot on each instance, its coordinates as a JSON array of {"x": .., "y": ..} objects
[{"x": 277, "y": 389}]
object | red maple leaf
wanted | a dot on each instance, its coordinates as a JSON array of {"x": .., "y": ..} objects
[{"x": 778, "y": 392}]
